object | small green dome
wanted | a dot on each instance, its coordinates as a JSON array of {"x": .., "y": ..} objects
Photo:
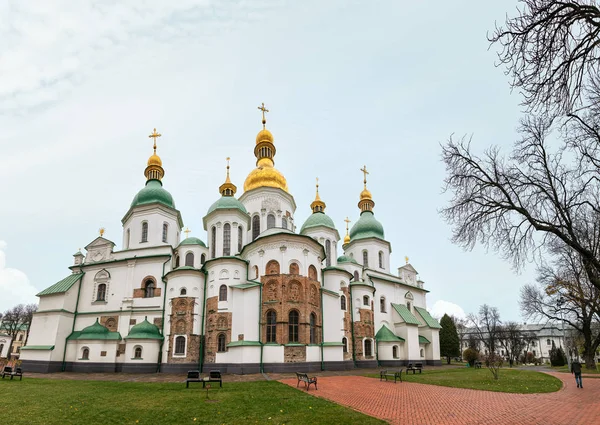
[
  {"x": 346, "y": 259},
  {"x": 153, "y": 192},
  {"x": 367, "y": 226},
  {"x": 144, "y": 330},
  {"x": 192, "y": 241},
  {"x": 227, "y": 203},
  {"x": 317, "y": 219},
  {"x": 94, "y": 331}
]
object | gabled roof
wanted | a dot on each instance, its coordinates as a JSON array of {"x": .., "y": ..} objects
[
  {"x": 408, "y": 267},
  {"x": 423, "y": 340},
  {"x": 405, "y": 314},
  {"x": 430, "y": 321},
  {"x": 99, "y": 241},
  {"x": 61, "y": 286},
  {"x": 384, "y": 334}
]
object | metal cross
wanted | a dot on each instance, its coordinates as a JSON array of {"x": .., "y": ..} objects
[
  {"x": 187, "y": 231},
  {"x": 154, "y": 135},
  {"x": 406, "y": 259},
  {"x": 347, "y": 223},
  {"x": 365, "y": 172},
  {"x": 101, "y": 230},
  {"x": 263, "y": 109}
]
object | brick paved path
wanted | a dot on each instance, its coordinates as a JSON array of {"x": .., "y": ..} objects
[{"x": 410, "y": 403}]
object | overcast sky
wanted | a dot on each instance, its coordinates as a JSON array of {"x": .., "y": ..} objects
[{"x": 348, "y": 83}]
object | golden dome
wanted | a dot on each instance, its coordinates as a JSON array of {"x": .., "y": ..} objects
[
  {"x": 155, "y": 160},
  {"x": 264, "y": 135},
  {"x": 365, "y": 194},
  {"x": 265, "y": 175},
  {"x": 346, "y": 239}
]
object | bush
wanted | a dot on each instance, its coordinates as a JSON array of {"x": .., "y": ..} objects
[
  {"x": 530, "y": 358},
  {"x": 470, "y": 355},
  {"x": 557, "y": 357}
]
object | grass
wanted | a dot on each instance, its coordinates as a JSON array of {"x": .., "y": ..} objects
[
  {"x": 583, "y": 370},
  {"x": 49, "y": 402},
  {"x": 510, "y": 381}
]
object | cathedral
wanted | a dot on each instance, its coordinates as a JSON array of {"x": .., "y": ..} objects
[{"x": 256, "y": 295}]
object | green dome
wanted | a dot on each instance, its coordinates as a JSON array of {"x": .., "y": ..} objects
[
  {"x": 367, "y": 226},
  {"x": 317, "y": 219},
  {"x": 227, "y": 203},
  {"x": 95, "y": 331},
  {"x": 144, "y": 330},
  {"x": 346, "y": 259},
  {"x": 153, "y": 192},
  {"x": 192, "y": 241}
]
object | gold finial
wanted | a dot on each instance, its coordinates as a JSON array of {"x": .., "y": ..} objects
[
  {"x": 347, "y": 237},
  {"x": 154, "y": 135},
  {"x": 264, "y": 118},
  {"x": 187, "y": 232},
  {"x": 227, "y": 188},
  {"x": 227, "y": 159},
  {"x": 102, "y": 230},
  {"x": 318, "y": 205},
  {"x": 366, "y": 200},
  {"x": 406, "y": 259}
]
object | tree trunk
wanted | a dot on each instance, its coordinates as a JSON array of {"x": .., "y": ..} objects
[
  {"x": 590, "y": 361},
  {"x": 448, "y": 359}
]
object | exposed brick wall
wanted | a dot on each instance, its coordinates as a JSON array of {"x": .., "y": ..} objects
[
  {"x": 294, "y": 354},
  {"x": 347, "y": 325},
  {"x": 182, "y": 323},
  {"x": 216, "y": 323},
  {"x": 110, "y": 322},
  {"x": 139, "y": 292},
  {"x": 364, "y": 328}
]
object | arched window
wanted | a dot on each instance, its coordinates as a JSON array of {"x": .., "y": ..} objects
[
  {"x": 355, "y": 276},
  {"x": 213, "y": 242},
  {"x": 101, "y": 294},
  {"x": 294, "y": 269},
  {"x": 176, "y": 261},
  {"x": 145, "y": 231},
  {"x": 423, "y": 352},
  {"x": 313, "y": 328},
  {"x": 183, "y": 292},
  {"x": 345, "y": 344},
  {"x": 365, "y": 258},
  {"x": 223, "y": 293},
  {"x": 202, "y": 259},
  {"x": 272, "y": 267},
  {"x": 165, "y": 232},
  {"x": 180, "y": 345},
  {"x": 328, "y": 252},
  {"x": 137, "y": 353},
  {"x": 85, "y": 354},
  {"x": 221, "y": 343},
  {"x": 368, "y": 348},
  {"x": 382, "y": 304},
  {"x": 293, "y": 326},
  {"x": 189, "y": 259},
  {"x": 255, "y": 268},
  {"x": 270, "y": 221},
  {"x": 149, "y": 289},
  {"x": 380, "y": 259},
  {"x": 312, "y": 272},
  {"x": 548, "y": 342},
  {"x": 226, "y": 239},
  {"x": 408, "y": 305},
  {"x": 365, "y": 300},
  {"x": 395, "y": 351},
  {"x": 343, "y": 302},
  {"x": 128, "y": 239},
  {"x": 240, "y": 235},
  {"x": 255, "y": 227},
  {"x": 284, "y": 222},
  {"x": 271, "y": 326}
]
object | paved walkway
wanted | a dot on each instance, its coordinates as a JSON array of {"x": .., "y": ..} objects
[{"x": 410, "y": 403}]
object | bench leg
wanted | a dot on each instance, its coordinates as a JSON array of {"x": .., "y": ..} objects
[{"x": 187, "y": 384}]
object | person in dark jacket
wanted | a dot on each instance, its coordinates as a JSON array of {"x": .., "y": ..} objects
[{"x": 576, "y": 370}]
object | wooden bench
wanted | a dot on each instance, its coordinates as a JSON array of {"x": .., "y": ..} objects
[
  {"x": 417, "y": 366},
  {"x": 192, "y": 376},
  {"x": 213, "y": 376},
  {"x": 8, "y": 371},
  {"x": 396, "y": 374},
  {"x": 303, "y": 377},
  {"x": 478, "y": 364}
]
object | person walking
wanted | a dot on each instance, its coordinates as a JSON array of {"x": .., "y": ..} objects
[{"x": 576, "y": 370}]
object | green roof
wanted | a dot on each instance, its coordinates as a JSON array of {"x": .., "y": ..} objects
[
  {"x": 367, "y": 226},
  {"x": 61, "y": 286},
  {"x": 430, "y": 321},
  {"x": 95, "y": 331},
  {"x": 317, "y": 219},
  {"x": 38, "y": 347},
  {"x": 245, "y": 285},
  {"x": 152, "y": 193},
  {"x": 192, "y": 241},
  {"x": 242, "y": 343},
  {"x": 384, "y": 334},
  {"x": 227, "y": 203},
  {"x": 346, "y": 259},
  {"x": 423, "y": 340},
  {"x": 405, "y": 314},
  {"x": 144, "y": 330}
]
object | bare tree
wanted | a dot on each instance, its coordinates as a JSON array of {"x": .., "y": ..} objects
[
  {"x": 487, "y": 326},
  {"x": 29, "y": 310},
  {"x": 514, "y": 340},
  {"x": 550, "y": 50},
  {"x": 13, "y": 321}
]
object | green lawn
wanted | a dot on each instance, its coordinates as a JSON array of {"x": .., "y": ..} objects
[
  {"x": 48, "y": 402},
  {"x": 510, "y": 381},
  {"x": 566, "y": 370}
]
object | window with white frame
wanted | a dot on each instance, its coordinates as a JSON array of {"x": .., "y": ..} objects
[{"x": 179, "y": 346}]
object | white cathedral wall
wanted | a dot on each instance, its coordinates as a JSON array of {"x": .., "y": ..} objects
[
  {"x": 273, "y": 353},
  {"x": 64, "y": 301},
  {"x": 432, "y": 350},
  {"x": 218, "y": 219},
  {"x": 372, "y": 245},
  {"x": 150, "y": 349},
  {"x": 196, "y": 250},
  {"x": 48, "y": 329},
  {"x": 313, "y": 353},
  {"x": 331, "y": 321},
  {"x": 322, "y": 234},
  {"x": 245, "y": 318},
  {"x": 96, "y": 348},
  {"x": 335, "y": 279},
  {"x": 155, "y": 215},
  {"x": 385, "y": 350},
  {"x": 333, "y": 354},
  {"x": 358, "y": 292},
  {"x": 265, "y": 200}
]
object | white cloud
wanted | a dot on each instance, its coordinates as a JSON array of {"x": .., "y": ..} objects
[
  {"x": 442, "y": 307},
  {"x": 14, "y": 284}
]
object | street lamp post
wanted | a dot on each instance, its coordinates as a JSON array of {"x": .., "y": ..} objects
[{"x": 561, "y": 301}]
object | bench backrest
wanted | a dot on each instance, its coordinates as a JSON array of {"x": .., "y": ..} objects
[
  {"x": 193, "y": 374},
  {"x": 418, "y": 364},
  {"x": 19, "y": 370},
  {"x": 409, "y": 365},
  {"x": 8, "y": 369},
  {"x": 215, "y": 374},
  {"x": 301, "y": 375}
]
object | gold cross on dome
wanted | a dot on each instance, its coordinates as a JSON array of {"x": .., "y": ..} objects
[
  {"x": 317, "y": 185},
  {"x": 154, "y": 135},
  {"x": 365, "y": 172},
  {"x": 102, "y": 230},
  {"x": 187, "y": 231},
  {"x": 347, "y": 220},
  {"x": 263, "y": 109},
  {"x": 406, "y": 259}
]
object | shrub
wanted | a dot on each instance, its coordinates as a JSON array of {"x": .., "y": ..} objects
[
  {"x": 530, "y": 358},
  {"x": 470, "y": 355},
  {"x": 557, "y": 357}
]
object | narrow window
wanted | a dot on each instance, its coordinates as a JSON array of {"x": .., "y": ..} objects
[
  {"x": 128, "y": 239},
  {"x": 176, "y": 261},
  {"x": 548, "y": 342},
  {"x": 221, "y": 343},
  {"x": 368, "y": 348},
  {"x": 202, "y": 259},
  {"x": 223, "y": 293},
  {"x": 356, "y": 276},
  {"x": 145, "y": 231},
  {"x": 189, "y": 259},
  {"x": 365, "y": 300},
  {"x": 271, "y": 326},
  {"x": 312, "y": 272},
  {"x": 101, "y": 295},
  {"x": 395, "y": 351},
  {"x": 408, "y": 305},
  {"x": 240, "y": 235},
  {"x": 328, "y": 252},
  {"x": 183, "y": 292},
  {"x": 255, "y": 227},
  {"x": 165, "y": 232},
  {"x": 343, "y": 302},
  {"x": 313, "y": 328},
  {"x": 213, "y": 243},
  {"x": 270, "y": 221},
  {"x": 294, "y": 269},
  {"x": 293, "y": 326},
  {"x": 423, "y": 352},
  {"x": 180, "y": 345},
  {"x": 226, "y": 239},
  {"x": 149, "y": 289},
  {"x": 284, "y": 222},
  {"x": 365, "y": 258},
  {"x": 345, "y": 344},
  {"x": 138, "y": 353},
  {"x": 85, "y": 355},
  {"x": 255, "y": 272},
  {"x": 382, "y": 304},
  {"x": 380, "y": 259}
]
